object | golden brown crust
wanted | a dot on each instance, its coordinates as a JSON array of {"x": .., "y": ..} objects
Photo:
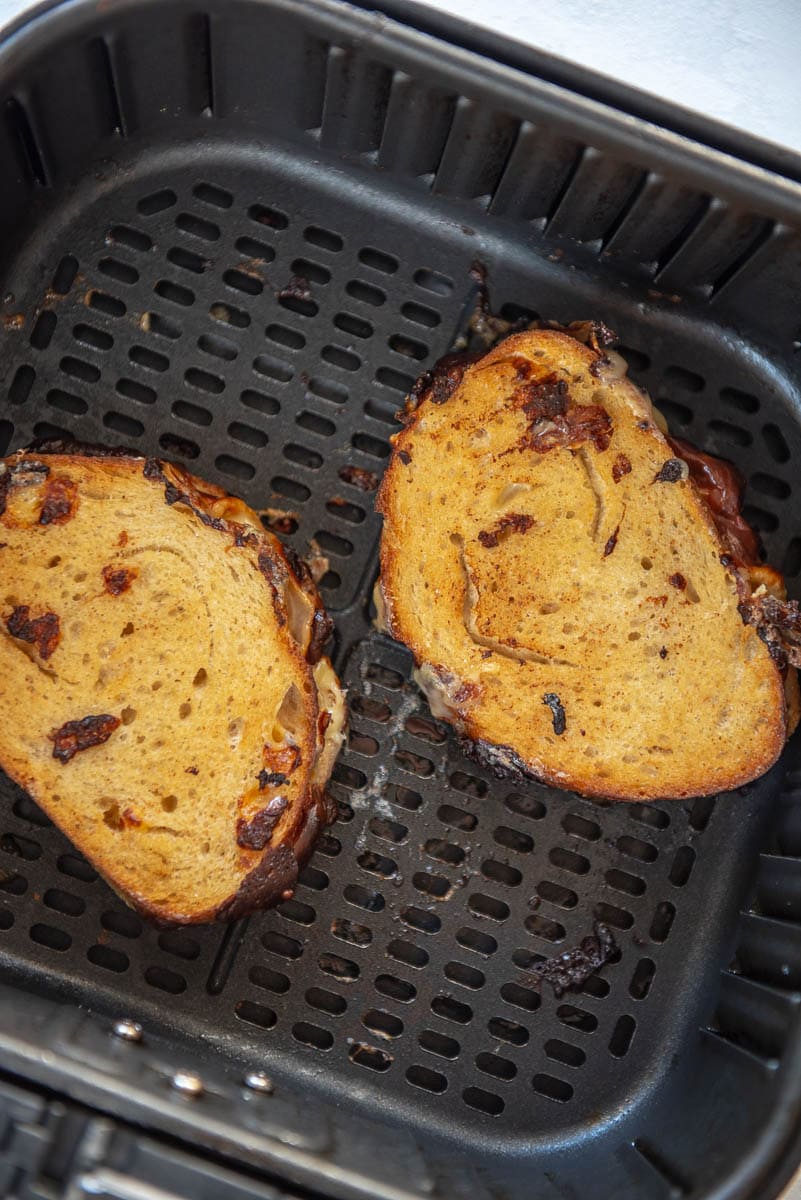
[
  {"x": 535, "y": 409},
  {"x": 278, "y": 815}
]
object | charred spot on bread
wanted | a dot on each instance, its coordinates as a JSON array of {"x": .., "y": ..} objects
[
  {"x": 43, "y": 632},
  {"x": 620, "y": 467},
  {"x": 509, "y": 523},
  {"x": 439, "y": 384},
  {"x": 677, "y": 580},
  {"x": 557, "y": 712},
  {"x": 256, "y": 833},
  {"x": 358, "y": 477},
  {"x": 554, "y": 421},
  {"x": 274, "y": 874},
  {"x": 60, "y": 502},
  {"x": 663, "y": 652},
  {"x": 271, "y": 779},
  {"x": 75, "y": 736},
  {"x": 117, "y": 580}
]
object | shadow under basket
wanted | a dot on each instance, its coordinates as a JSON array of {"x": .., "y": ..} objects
[{"x": 233, "y": 236}]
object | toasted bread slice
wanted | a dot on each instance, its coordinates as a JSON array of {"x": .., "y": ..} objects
[
  {"x": 163, "y": 695},
  {"x": 570, "y": 603}
]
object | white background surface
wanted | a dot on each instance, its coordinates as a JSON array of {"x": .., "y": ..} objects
[{"x": 738, "y": 61}]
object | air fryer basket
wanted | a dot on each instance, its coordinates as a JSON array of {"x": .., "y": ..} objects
[{"x": 233, "y": 236}]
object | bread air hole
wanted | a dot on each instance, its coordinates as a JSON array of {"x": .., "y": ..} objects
[
  {"x": 79, "y": 578},
  {"x": 54, "y": 561},
  {"x": 551, "y": 607},
  {"x": 154, "y": 687},
  {"x": 127, "y": 630},
  {"x": 289, "y": 717},
  {"x": 128, "y": 716},
  {"x": 646, "y": 564},
  {"x": 184, "y": 710},
  {"x": 112, "y": 818},
  {"x": 235, "y": 729},
  {"x": 200, "y": 678},
  {"x": 169, "y": 803}
]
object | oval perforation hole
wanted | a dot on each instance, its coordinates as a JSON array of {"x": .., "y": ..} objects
[
  {"x": 109, "y": 958},
  {"x": 420, "y": 919},
  {"x": 408, "y": 953},
  {"x": 140, "y": 393},
  {"x": 196, "y": 227},
  {"x": 420, "y": 314},
  {"x": 163, "y": 327},
  {"x": 437, "y": 1043},
  {"x": 436, "y": 887},
  {"x": 268, "y": 979},
  {"x": 235, "y": 467},
  {"x": 552, "y": 1088},
  {"x": 485, "y": 1102},
  {"x": 426, "y": 1079},
  {"x": 662, "y": 921},
  {"x": 465, "y": 976},
  {"x": 351, "y": 931},
  {"x": 495, "y": 1065},
  {"x": 157, "y": 202},
  {"x": 338, "y": 967},
  {"x": 255, "y": 1014},
  {"x": 520, "y": 997},
  {"x": 356, "y": 326},
  {"x": 508, "y": 1031},
  {"x": 577, "y": 1018},
  {"x": 312, "y": 1036},
  {"x": 622, "y": 1035},
  {"x": 254, "y": 250},
  {"x": 325, "y": 1001},
  {"x": 50, "y": 937},
  {"x": 244, "y": 281},
  {"x": 554, "y": 893},
  {"x": 132, "y": 239},
  {"x": 395, "y": 989},
  {"x": 500, "y": 872},
  {"x": 187, "y": 260},
  {"x": 366, "y": 293},
  {"x": 642, "y": 978},
  {"x": 21, "y": 384},
  {"x": 477, "y": 941},
  {"x": 127, "y": 426},
  {"x": 370, "y": 901},
  {"x": 382, "y": 1023},
  {"x": 324, "y": 238},
  {"x": 119, "y": 271},
  {"x": 433, "y": 281},
  {"x": 209, "y": 193},
  {"x": 564, "y": 1052},
  {"x": 64, "y": 902},
  {"x": 76, "y": 868},
  {"x": 148, "y": 359},
  {"x": 175, "y": 293},
  {"x": 526, "y": 806},
  {"x": 102, "y": 302},
  {"x": 166, "y": 980},
  {"x": 364, "y": 1055},
  {"x": 269, "y": 217},
  {"x": 408, "y": 347}
]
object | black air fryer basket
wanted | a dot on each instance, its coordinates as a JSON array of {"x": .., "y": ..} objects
[{"x": 233, "y": 235}]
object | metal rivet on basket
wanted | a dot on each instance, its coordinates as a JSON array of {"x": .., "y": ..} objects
[
  {"x": 129, "y": 1031},
  {"x": 187, "y": 1083},
  {"x": 257, "y": 1081}
]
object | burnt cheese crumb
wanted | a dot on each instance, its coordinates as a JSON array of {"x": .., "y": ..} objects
[
  {"x": 80, "y": 735},
  {"x": 365, "y": 481},
  {"x": 574, "y": 967},
  {"x": 42, "y": 632},
  {"x": 557, "y": 712},
  {"x": 671, "y": 471}
]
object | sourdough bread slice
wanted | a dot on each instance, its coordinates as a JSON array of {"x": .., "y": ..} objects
[
  {"x": 570, "y": 603},
  {"x": 163, "y": 695}
]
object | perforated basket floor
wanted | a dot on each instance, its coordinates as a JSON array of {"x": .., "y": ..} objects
[{"x": 259, "y": 311}]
